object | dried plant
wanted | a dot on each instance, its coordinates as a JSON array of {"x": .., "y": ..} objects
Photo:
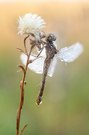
[{"x": 44, "y": 61}]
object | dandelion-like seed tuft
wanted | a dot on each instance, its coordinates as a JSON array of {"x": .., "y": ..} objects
[{"x": 30, "y": 23}]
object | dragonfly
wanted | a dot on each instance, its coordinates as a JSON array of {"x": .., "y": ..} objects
[{"x": 46, "y": 60}]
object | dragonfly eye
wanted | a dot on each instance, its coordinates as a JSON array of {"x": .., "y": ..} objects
[{"x": 51, "y": 37}]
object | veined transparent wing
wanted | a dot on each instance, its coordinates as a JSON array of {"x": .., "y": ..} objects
[
  {"x": 36, "y": 66},
  {"x": 69, "y": 54}
]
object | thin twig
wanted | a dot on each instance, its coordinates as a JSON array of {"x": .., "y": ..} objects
[
  {"x": 25, "y": 44},
  {"x": 36, "y": 57},
  {"x": 21, "y": 50},
  {"x": 23, "y": 129}
]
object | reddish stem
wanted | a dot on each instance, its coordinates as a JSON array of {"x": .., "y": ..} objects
[{"x": 22, "y": 84}]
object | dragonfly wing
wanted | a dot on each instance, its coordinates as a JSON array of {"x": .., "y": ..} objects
[
  {"x": 69, "y": 54},
  {"x": 52, "y": 66},
  {"x": 36, "y": 66},
  {"x": 55, "y": 44}
]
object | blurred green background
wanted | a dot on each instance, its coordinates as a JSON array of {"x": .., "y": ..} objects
[{"x": 65, "y": 107}]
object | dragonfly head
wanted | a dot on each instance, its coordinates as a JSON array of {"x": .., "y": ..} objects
[{"x": 51, "y": 37}]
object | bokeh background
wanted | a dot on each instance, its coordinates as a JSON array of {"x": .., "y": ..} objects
[{"x": 65, "y": 107}]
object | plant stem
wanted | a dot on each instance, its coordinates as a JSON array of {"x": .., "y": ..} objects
[{"x": 22, "y": 84}]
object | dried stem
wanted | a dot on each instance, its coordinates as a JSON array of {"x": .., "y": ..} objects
[{"x": 22, "y": 84}]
